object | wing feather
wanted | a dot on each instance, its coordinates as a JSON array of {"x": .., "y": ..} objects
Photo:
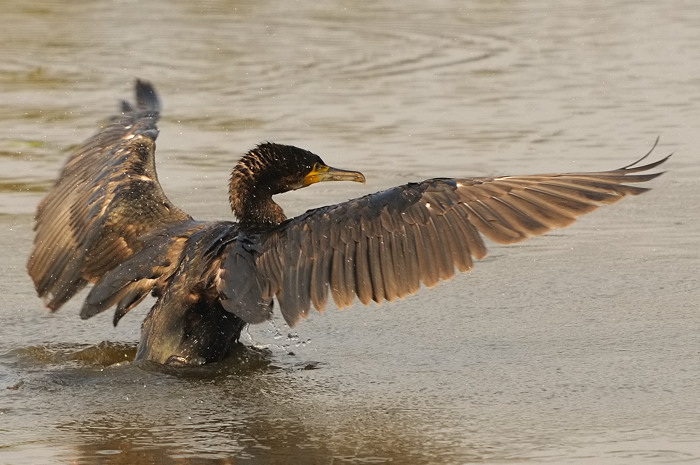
[
  {"x": 105, "y": 200},
  {"x": 362, "y": 272},
  {"x": 382, "y": 246}
]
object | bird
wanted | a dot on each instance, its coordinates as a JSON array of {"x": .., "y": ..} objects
[{"x": 106, "y": 222}]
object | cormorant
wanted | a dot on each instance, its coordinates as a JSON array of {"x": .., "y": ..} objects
[{"x": 106, "y": 221}]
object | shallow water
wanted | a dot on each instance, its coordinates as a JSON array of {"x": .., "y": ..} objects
[{"x": 578, "y": 347}]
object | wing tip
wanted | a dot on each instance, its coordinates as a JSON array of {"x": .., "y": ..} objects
[
  {"x": 88, "y": 311},
  {"x": 146, "y": 96},
  {"x": 634, "y": 166}
]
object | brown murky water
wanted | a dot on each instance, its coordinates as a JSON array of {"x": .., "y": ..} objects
[{"x": 581, "y": 346}]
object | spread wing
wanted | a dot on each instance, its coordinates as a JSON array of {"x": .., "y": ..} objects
[
  {"x": 382, "y": 246},
  {"x": 105, "y": 200}
]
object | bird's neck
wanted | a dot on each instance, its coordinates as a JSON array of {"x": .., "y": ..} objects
[{"x": 250, "y": 194}]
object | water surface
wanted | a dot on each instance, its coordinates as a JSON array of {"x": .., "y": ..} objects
[{"x": 577, "y": 347}]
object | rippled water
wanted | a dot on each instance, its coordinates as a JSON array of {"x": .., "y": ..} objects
[{"x": 578, "y": 347}]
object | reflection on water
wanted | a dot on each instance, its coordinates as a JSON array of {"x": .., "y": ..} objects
[
  {"x": 244, "y": 406},
  {"x": 577, "y": 347}
]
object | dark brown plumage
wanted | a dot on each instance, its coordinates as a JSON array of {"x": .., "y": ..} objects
[{"x": 108, "y": 222}]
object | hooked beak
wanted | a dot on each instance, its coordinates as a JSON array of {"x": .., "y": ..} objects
[{"x": 321, "y": 173}]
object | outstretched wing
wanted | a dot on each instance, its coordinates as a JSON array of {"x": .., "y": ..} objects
[
  {"x": 382, "y": 246},
  {"x": 106, "y": 198}
]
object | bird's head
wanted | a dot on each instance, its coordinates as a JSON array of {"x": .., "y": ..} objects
[{"x": 271, "y": 169}]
